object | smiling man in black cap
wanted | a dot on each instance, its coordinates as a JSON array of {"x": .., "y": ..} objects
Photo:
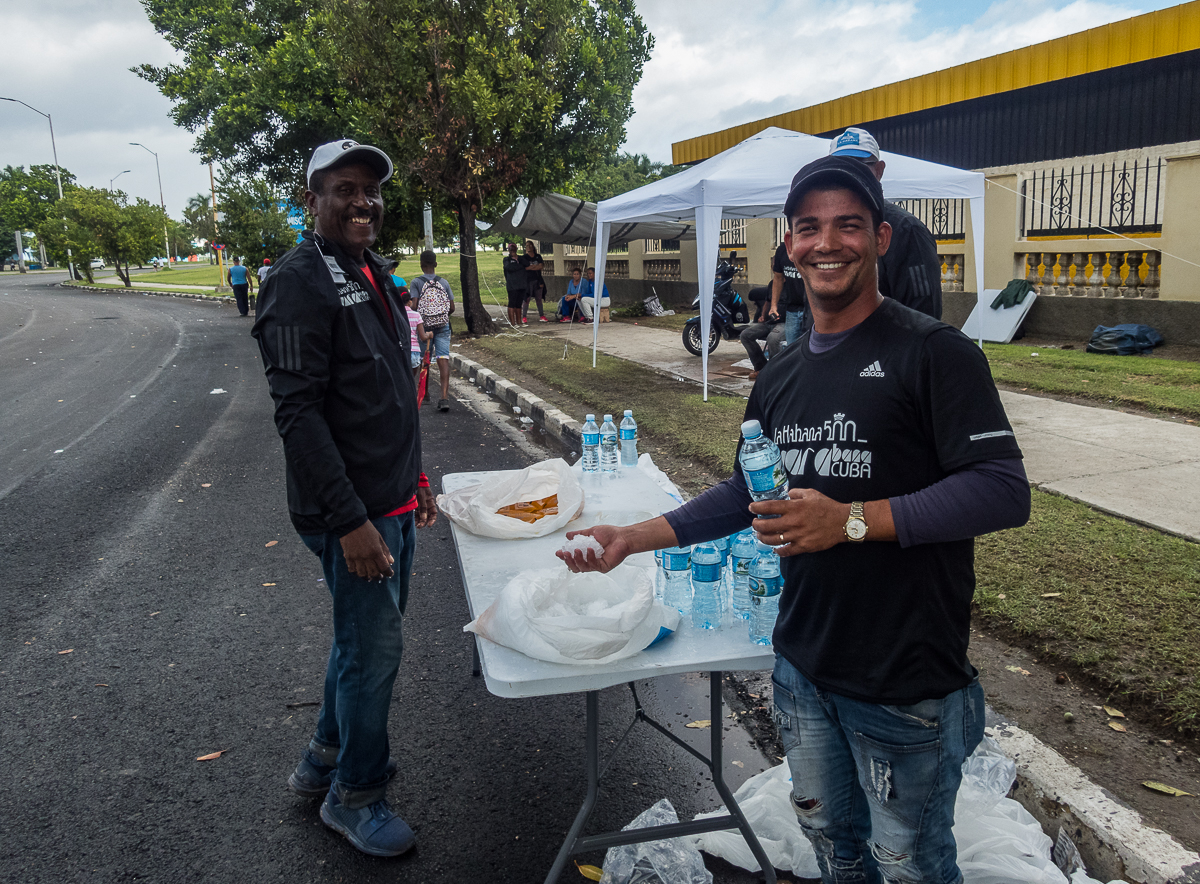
[
  {"x": 335, "y": 343},
  {"x": 898, "y": 454}
]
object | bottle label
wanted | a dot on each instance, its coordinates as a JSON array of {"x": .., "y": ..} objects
[
  {"x": 628, "y": 435},
  {"x": 591, "y": 438},
  {"x": 764, "y": 586},
  {"x": 706, "y": 573},
  {"x": 741, "y": 567},
  {"x": 676, "y": 561},
  {"x": 766, "y": 479}
]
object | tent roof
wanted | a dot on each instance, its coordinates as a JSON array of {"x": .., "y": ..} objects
[
  {"x": 567, "y": 219},
  {"x": 751, "y": 180}
]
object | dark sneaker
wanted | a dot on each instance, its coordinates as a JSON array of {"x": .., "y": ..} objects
[
  {"x": 443, "y": 405},
  {"x": 311, "y": 778},
  {"x": 373, "y": 829}
]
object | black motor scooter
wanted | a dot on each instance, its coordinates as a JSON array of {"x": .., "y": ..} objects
[{"x": 729, "y": 311}]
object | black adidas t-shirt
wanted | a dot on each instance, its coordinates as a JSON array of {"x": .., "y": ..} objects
[
  {"x": 900, "y": 404},
  {"x": 792, "y": 296}
]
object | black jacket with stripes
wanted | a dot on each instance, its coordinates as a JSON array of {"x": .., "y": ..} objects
[
  {"x": 911, "y": 271},
  {"x": 340, "y": 374}
]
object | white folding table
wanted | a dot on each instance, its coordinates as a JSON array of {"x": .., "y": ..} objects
[{"x": 487, "y": 564}]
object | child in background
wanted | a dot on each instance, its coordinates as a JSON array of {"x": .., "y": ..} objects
[{"x": 419, "y": 335}]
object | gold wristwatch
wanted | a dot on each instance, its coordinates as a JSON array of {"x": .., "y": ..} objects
[{"x": 856, "y": 526}]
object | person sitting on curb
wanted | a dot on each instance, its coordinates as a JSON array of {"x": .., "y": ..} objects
[
  {"x": 570, "y": 301},
  {"x": 588, "y": 300}
]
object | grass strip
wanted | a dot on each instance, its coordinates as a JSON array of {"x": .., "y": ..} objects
[
  {"x": 1126, "y": 614},
  {"x": 671, "y": 413},
  {"x": 1126, "y": 611},
  {"x": 1161, "y": 385}
]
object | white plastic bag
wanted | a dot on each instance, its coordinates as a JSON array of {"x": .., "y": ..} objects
[
  {"x": 670, "y": 861},
  {"x": 554, "y": 615},
  {"x": 475, "y": 506}
]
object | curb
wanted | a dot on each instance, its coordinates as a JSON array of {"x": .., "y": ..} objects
[
  {"x": 194, "y": 296},
  {"x": 1112, "y": 838}
]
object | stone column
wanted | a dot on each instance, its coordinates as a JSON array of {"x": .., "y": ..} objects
[
  {"x": 1096, "y": 280},
  {"x": 1079, "y": 280},
  {"x": 1152, "y": 281},
  {"x": 1113, "y": 287}
]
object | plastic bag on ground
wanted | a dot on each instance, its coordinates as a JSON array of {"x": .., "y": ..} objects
[
  {"x": 671, "y": 861},
  {"x": 1129, "y": 339},
  {"x": 475, "y": 506},
  {"x": 593, "y": 618},
  {"x": 999, "y": 842}
]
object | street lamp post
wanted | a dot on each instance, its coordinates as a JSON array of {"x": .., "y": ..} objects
[
  {"x": 57, "y": 171},
  {"x": 162, "y": 202},
  {"x": 114, "y": 178}
]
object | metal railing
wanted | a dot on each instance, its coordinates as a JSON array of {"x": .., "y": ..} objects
[
  {"x": 946, "y": 219},
  {"x": 658, "y": 246},
  {"x": 572, "y": 251},
  {"x": 1122, "y": 196},
  {"x": 733, "y": 233}
]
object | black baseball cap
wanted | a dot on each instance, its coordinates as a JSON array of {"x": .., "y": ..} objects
[{"x": 851, "y": 173}]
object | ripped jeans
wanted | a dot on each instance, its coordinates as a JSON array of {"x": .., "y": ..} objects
[{"x": 873, "y": 786}]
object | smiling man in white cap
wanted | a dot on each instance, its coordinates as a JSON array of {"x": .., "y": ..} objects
[
  {"x": 911, "y": 271},
  {"x": 335, "y": 344}
]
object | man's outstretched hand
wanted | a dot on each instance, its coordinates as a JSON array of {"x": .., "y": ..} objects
[
  {"x": 616, "y": 550},
  {"x": 367, "y": 555}
]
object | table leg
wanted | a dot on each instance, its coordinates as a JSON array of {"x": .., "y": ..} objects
[
  {"x": 592, "y": 763},
  {"x": 476, "y": 669},
  {"x": 718, "y": 775}
]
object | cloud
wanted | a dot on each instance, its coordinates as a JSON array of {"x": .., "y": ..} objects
[{"x": 722, "y": 64}]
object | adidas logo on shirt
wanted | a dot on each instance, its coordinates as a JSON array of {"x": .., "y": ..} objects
[{"x": 872, "y": 371}]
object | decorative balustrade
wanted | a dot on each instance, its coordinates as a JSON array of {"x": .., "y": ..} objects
[
  {"x": 741, "y": 266},
  {"x": 954, "y": 267},
  {"x": 616, "y": 269},
  {"x": 547, "y": 267},
  {"x": 570, "y": 266},
  {"x": 1122, "y": 274},
  {"x": 666, "y": 269}
]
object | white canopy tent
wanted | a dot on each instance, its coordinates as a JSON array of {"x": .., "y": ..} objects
[{"x": 751, "y": 180}]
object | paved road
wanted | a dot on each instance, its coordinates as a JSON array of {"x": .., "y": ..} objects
[{"x": 147, "y": 623}]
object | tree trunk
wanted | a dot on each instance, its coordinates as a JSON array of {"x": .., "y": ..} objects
[
  {"x": 124, "y": 277},
  {"x": 479, "y": 321}
]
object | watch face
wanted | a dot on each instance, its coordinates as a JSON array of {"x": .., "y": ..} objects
[{"x": 856, "y": 529}]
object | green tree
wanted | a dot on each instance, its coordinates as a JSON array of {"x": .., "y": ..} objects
[
  {"x": 616, "y": 174},
  {"x": 29, "y": 201},
  {"x": 474, "y": 101},
  {"x": 256, "y": 219},
  {"x": 101, "y": 224},
  {"x": 198, "y": 217}
]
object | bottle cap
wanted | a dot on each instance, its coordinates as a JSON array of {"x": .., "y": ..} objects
[
  {"x": 608, "y": 417},
  {"x": 628, "y": 412},
  {"x": 750, "y": 429},
  {"x": 590, "y": 417}
]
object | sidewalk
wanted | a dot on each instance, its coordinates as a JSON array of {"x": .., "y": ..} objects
[{"x": 1139, "y": 468}]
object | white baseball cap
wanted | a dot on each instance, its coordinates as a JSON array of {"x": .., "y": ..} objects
[
  {"x": 339, "y": 153},
  {"x": 857, "y": 143}
]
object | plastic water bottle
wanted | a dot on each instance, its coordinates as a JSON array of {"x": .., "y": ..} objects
[
  {"x": 591, "y": 445},
  {"x": 762, "y": 466},
  {"x": 765, "y": 586},
  {"x": 629, "y": 455},
  {"x": 742, "y": 553},
  {"x": 677, "y": 577},
  {"x": 608, "y": 445},
  {"x": 658, "y": 575},
  {"x": 723, "y": 545},
  {"x": 706, "y": 586}
]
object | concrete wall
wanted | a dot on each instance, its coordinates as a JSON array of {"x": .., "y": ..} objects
[{"x": 1181, "y": 233}]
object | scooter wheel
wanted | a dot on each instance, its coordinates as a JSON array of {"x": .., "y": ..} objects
[{"x": 691, "y": 338}]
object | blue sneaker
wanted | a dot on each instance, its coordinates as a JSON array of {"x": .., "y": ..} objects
[
  {"x": 373, "y": 829},
  {"x": 311, "y": 778}
]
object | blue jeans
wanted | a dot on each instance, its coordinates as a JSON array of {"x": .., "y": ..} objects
[
  {"x": 793, "y": 322},
  {"x": 368, "y": 639},
  {"x": 873, "y": 786}
]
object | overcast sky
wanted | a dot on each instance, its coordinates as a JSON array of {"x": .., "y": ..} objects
[{"x": 716, "y": 63}]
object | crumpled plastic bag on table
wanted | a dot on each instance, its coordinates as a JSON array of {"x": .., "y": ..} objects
[
  {"x": 593, "y": 618},
  {"x": 999, "y": 842},
  {"x": 670, "y": 861},
  {"x": 474, "y": 507}
]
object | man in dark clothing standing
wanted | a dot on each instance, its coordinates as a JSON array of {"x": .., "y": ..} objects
[
  {"x": 897, "y": 454},
  {"x": 787, "y": 286},
  {"x": 335, "y": 344},
  {"x": 514, "y": 282},
  {"x": 911, "y": 271}
]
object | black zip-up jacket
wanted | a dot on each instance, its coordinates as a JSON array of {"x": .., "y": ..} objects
[
  {"x": 340, "y": 374},
  {"x": 911, "y": 271}
]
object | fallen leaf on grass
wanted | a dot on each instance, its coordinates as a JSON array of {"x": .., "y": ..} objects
[
  {"x": 1117, "y": 726},
  {"x": 1115, "y": 713},
  {"x": 1155, "y": 786},
  {"x": 699, "y": 723},
  {"x": 67, "y": 651},
  {"x": 212, "y": 755},
  {"x": 1018, "y": 670},
  {"x": 1051, "y": 595},
  {"x": 271, "y": 542},
  {"x": 1002, "y": 597},
  {"x": 592, "y": 873},
  {"x": 268, "y": 584}
]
